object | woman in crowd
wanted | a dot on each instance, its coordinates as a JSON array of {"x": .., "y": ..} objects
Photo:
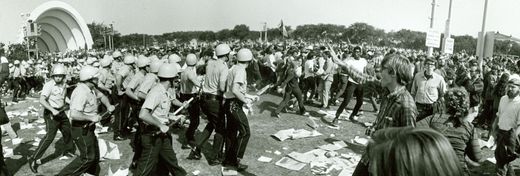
[
  {"x": 454, "y": 125},
  {"x": 411, "y": 152}
]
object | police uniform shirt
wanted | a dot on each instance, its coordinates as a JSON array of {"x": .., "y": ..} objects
[
  {"x": 84, "y": 100},
  {"x": 216, "y": 70},
  {"x": 237, "y": 74},
  {"x": 54, "y": 94},
  {"x": 126, "y": 72},
  {"x": 135, "y": 80},
  {"x": 106, "y": 78},
  {"x": 189, "y": 81},
  {"x": 116, "y": 65},
  {"x": 149, "y": 81},
  {"x": 158, "y": 101}
]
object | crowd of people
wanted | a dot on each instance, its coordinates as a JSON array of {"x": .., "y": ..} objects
[{"x": 425, "y": 105}]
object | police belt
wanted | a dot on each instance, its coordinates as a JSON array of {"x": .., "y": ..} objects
[
  {"x": 208, "y": 96},
  {"x": 148, "y": 129}
]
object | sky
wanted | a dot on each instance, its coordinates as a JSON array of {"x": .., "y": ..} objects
[{"x": 162, "y": 16}]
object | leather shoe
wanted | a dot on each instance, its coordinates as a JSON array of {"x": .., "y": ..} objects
[{"x": 33, "y": 166}]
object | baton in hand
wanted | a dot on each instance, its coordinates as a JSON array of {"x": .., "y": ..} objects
[{"x": 177, "y": 112}]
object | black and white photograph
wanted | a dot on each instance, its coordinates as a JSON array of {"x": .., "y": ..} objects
[{"x": 259, "y": 87}]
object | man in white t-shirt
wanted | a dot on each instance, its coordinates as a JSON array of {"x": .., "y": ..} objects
[{"x": 353, "y": 88}]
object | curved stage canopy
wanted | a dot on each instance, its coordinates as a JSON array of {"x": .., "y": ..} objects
[{"x": 62, "y": 28}]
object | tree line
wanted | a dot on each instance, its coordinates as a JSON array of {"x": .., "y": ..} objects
[{"x": 356, "y": 33}]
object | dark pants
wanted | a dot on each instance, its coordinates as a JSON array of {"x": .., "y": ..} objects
[
  {"x": 87, "y": 144},
  {"x": 158, "y": 148},
  {"x": 212, "y": 106},
  {"x": 18, "y": 88},
  {"x": 194, "y": 112},
  {"x": 352, "y": 89},
  {"x": 341, "y": 87},
  {"x": 487, "y": 117},
  {"x": 238, "y": 131},
  {"x": 289, "y": 91},
  {"x": 3, "y": 168},
  {"x": 309, "y": 85},
  {"x": 129, "y": 114},
  {"x": 506, "y": 152},
  {"x": 423, "y": 110},
  {"x": 53, "y": 124}
]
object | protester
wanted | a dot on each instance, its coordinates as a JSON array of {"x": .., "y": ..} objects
[
  {"x": 507, "y": 127},
  {"x": 455, "y": 126},
  {"x": 410, "y": 152}
]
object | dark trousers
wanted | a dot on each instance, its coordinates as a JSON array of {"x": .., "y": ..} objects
[
  {"x": 53, "y": 124},
  {"x": 423, "y": 110},
  {"x": 351, "y": 90},
  {"x": 129, "y": 114},
  {"x": 505, "y": 152},
  {"x": 212, "y": 106},
  {"x": 342, "y": 87},
  {"x": 158, "y": 148},
  {"x": 194, "y": 112},
  {"x": 3, "y": 168},
  {"x": 309, "y": 85},
  {"x": 487, "y": 117},
  {"x": 87, "y": 144},
  {"x": 238, "y": 131},
  {"x": 18, "y": 85},
  {"x": 289, "y": 91}
]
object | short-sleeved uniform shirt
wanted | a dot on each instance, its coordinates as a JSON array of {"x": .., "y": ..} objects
[
  {"x": 135, "y": 80},
  {"x": 126, "y": 72},
  {"x": 216, "y": 70},
  {"x": 54, "y": 94},
  {"x": 149, "y": 81},
  {"x": 158, "y": 101},
  {"x": 106, "y": 78},
  {"x": 189, "y": 81},
  {"x": 237, "y": 74},
  {"x": 84, "y": 100}
]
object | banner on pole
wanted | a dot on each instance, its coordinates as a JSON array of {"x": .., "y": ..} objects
[
  {"x": 448, "y": 46},
  {"x": 433, "y": 38}
]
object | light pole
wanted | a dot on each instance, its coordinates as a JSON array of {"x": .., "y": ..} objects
[
  {"x": 447, "y": 30},
  {"x": 481, "y": 37},
  {"x": 430, "y": 49}
]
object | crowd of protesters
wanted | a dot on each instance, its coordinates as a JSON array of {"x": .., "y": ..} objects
[{"x": 406, "y": 88}]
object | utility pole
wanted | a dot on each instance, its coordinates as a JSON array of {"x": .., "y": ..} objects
[
  {"x": 265, "y": 29},
  {"x": 430, "y": 49},
  {"x": 482, "y": 37},
  {"x": 447, "y": 30},
  {"x": 112, "y": 33}
]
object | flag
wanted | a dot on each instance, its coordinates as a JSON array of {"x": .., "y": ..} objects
[{"x": 282, "y": 28}]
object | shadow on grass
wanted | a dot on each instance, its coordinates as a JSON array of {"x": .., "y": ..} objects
[
  {"x": 14, "y": 165},
  {"x": 267, "y": 106}
]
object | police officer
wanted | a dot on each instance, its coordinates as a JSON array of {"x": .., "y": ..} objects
[
  {"x": 52, "y": 98},
  {"x": 123, "y": 77},
  {"x": 237, "y": 122},
  {"x": 189, "y": 89},
  {"x": 212, "y": 89},
  {"x": 155, "y": 142},
  {"x": 18, "y": 81},
  {"x": 84, "y": 103},
  {"x": 106, "y": 84},
  {"x": 136, "y": 79}
]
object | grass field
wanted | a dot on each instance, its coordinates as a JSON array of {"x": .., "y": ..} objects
[{"x": 261, "y": 143}]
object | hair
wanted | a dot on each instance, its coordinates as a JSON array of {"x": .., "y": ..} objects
[
  {"x": 411, "y": 152},
  {"x": 457, "y": 105},
  {"x": 500, "y": 88},
  {"x": 399, "y": 66}
]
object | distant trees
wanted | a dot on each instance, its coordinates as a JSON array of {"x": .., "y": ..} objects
[{"x": 356, "y": 33}]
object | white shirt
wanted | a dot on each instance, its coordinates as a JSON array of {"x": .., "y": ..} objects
[
  {"x": 357, "y": 64},
  {"x": 508, "y": 113}
]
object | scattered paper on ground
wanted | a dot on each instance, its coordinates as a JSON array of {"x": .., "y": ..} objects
[
  {"x": 41, "y": 132},
  {"x": 360, "y": 140},
  {"x": 283, "y": 135},
  {"x": 17, "y": 141},
  {"x": 228, "y": 171},
  {"x": 264, "y": 159},
  {"x": 196, "y": 172},
  {"x": 290, "y": 164}
]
